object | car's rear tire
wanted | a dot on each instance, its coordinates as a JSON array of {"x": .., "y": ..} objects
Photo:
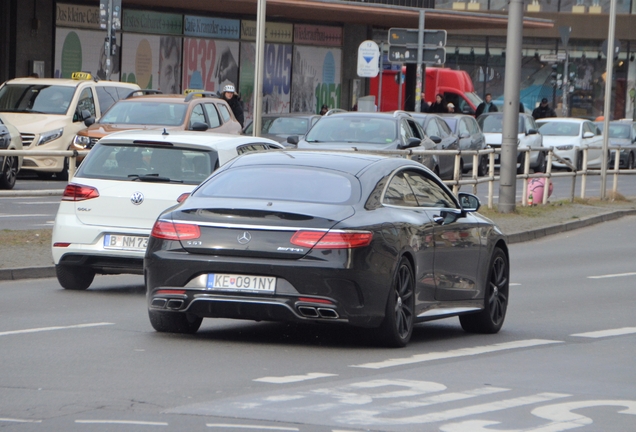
[
  {"x": 397, "y": 327},
  {"x": 491, "y": 317},
  {"x": 543, "y": 164},
  {"x": 630, "y": 161},
  {"x": 482, "y": 168},
  {"x": 579, "y": 161},
  {"x": 74, "y": 277},
  {"x": 174, "y": 322},
  {"x": 9, "y": 173}
]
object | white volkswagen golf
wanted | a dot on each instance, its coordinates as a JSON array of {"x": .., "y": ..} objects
[{"x": 123, "y": 184}]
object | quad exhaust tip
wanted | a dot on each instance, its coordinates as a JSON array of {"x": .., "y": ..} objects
[{"x": 312, "y": 312}]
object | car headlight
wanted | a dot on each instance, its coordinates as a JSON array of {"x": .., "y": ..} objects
[
  {"x": 50, "y": 136},
  {"x": 565, "y": 147},
  {"x": 81, "y": 140}
]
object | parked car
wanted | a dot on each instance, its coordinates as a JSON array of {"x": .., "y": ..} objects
[
  {"x": 470, "y": 138},
  {"x": 196, "y": 111},
  {"x": 279, "y": 126},
  {"x": 369, "y": 131},
  {"x": 48, "y": 112},
  {"x": 9, "y": 165},
  {"x": 621, "y": 133},
  {"x": 568, "y": 136},
  {"x": 124, "y": 183},
  {"x": 443, "y": 137},
  {"x": 491, "y": 124},
  {"x": 367, "y": 240}
]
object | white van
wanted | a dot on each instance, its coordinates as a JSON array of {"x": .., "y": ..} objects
[{"x": 48, "y": 112}]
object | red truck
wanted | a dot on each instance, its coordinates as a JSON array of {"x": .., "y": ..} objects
[{"x": 455, "y": 85}]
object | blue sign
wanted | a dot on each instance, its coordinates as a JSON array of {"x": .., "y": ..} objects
[{"x": 219, "y": 28}]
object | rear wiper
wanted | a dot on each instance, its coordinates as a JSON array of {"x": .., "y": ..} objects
[{"x": 152, "y": 178}]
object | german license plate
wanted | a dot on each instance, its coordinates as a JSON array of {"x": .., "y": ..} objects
[
  {"x": 242, "y": 283},
  {"x": 124, "y": 242}
]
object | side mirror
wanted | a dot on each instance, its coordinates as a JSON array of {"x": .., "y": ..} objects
[
  {"x": 293, "y": 139},
  {"x": 588, "y": 135},
  {"x": 199, "y": 126},
  {"x": 89, "y": 121},
  {"x": 469, "y": 202},
  {"x": 435, "y": 139},
  {"x": 411, "y": 142},
  {"x": 532, "y": 132}
]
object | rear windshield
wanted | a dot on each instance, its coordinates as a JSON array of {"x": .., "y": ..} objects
[
  {"x": 617, "y": 130},
  {"x": 147, "y": 163},
  {"x": 494, "y": 123},
  {"x": 282, "y": 183},
  {"x": 145, "y": 113},
  {"x": 39, "y": 99},
  {"x": 353, "y": 129}
]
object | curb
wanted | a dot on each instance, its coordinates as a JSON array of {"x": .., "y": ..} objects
[
  {"x": 567, "y": 226},
  {"x": 520, "y": 237},
  {"x": 27, "y": 273}
]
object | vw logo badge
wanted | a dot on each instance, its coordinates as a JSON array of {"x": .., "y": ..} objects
[
  {"x": 244, "y": 238},
  {"x": 137, "y": 198}
]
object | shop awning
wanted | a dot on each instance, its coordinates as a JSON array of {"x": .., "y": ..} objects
[{"x": 334, "y": 11}]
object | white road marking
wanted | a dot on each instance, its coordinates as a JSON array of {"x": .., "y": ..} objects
[
  {"x": 122, "y": 422},
  {"x": 462, "y": 352},
  {"x": 43, "y": 329},
  {"x": 607, "y": 333},
  {"x": 364, "y": 417},
  {"x": 12, "y": 420},
  {"x": 238, "y": 426},
  {"x": 294, "y": 378},
  {"x": 612, "y": 275}
]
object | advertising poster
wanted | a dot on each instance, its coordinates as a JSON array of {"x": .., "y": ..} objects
[
  {"x": 276, "y": 78},
  {"x": 210, "y": 64},
  {"x": 153, "y": 62},
  {"x": 316, "y": 78},
  {"x": 82, "y": 51}
]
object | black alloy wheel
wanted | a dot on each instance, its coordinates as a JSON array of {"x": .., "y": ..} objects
[
  {"x": 579, "y": 161},
  {"x": 542, "y": 166},
  {"x": 174, "y": 322},
  {"x": 482, "y": 168},
  {"x": 9, "y": 172},
  {"x": 397, "y": 326},
  {"x": 491, "y": 318}
]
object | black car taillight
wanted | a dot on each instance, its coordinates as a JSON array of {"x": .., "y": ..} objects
[
  {"x": 167, "y": 230},
  {"x": 332, "y": 239},
  {"x": 77, "y": 192}
]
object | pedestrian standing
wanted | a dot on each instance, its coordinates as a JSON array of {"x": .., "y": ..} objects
[
  {"x": 543, "y": 110},
  {"x": 424, "y": 106},
  {"x": 234, "y": 101},
  {"x": 439, "y": 106},
  {"x": 486, "y": 106}
]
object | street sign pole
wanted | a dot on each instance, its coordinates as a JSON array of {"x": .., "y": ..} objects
[
  {"x": 381, "y": 73},
  {"x": 608, "y": 95},
  {"x": 418, "y": 73},
  {"x": 565, "y": 37}
]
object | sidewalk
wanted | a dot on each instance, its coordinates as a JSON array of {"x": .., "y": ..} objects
[{"x": 27, "y": 255}]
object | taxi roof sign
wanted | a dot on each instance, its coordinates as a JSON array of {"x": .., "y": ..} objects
[{"x": 81, "y": 76}]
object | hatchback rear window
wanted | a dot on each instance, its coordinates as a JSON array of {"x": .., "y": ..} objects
[
  {"x": 283, "y": 183},
  {"x": 145, "y": 113},
  {"x": 147, "y": 163}
]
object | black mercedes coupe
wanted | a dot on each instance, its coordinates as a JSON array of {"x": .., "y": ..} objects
[{"x": 368, "y": 240}]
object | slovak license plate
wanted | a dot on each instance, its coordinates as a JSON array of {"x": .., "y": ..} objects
[
  {"x": 124, "y": 242},
  {"x": 242, "y": 283}
]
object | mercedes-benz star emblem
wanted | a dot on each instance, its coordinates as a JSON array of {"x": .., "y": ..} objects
[
  {"x": 137, "y": 198},
  {"x": 244, "y": 238}
]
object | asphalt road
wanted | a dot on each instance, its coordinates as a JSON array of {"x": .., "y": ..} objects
[
  {"x": 22, "y": 212},
  {"x": 90, "y": 361}
]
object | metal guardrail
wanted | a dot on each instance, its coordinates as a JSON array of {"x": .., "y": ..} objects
[{"x": 455, "y": 183}]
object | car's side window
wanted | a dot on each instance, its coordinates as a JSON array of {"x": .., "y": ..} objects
[
  {"x": 85, "y": 102},
  {"x": 399, "y": 193},
  {"x": 463, "y": 127},
  {"x": 443, "y": 127},
  {"x": 405, "y": 131},
  {"x": 414, "y": 129},
  {"x": 197, "y": 116},
  {"x": 213, "y": 115},
  {"x": 432, "y": 129},
  {"x": 428, "y": 192},
  {"x": 225, "y": 113}
]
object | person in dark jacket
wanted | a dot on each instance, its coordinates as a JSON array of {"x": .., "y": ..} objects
[
  {"x": 234, "y": 101},
  {"x": 424, "y": 106},
  {"x": 486, "y": 106},
  {"x": 439, "y": 106},
  {"x": 543, "y": 110}
]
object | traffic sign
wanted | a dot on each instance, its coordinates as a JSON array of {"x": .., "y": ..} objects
[
  {"x": 432, "y": 55},
  {"x": 368, "y": 59},
  {"x": 407, "y": 37}
]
